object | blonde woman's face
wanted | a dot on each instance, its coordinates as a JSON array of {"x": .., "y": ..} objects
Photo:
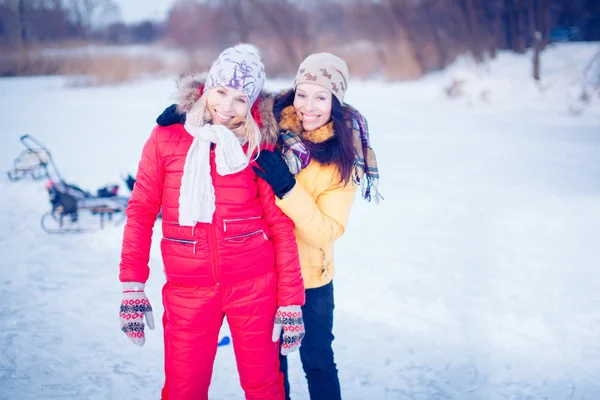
[
  {"x": 313, "y": 105},
  {"x": 227, "y": 106}
]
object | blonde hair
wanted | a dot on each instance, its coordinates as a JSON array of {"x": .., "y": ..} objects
[{"x": 247, "y": 130}]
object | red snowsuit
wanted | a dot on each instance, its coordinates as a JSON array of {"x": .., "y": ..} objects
[{"x": 243, "y": 265}]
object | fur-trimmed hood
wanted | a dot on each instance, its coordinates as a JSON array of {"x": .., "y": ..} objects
[{"x": 190, "y": 87}]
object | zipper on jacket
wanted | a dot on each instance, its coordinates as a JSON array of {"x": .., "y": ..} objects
[
  {"x": 242, "y": 238},
  {"x": 225, "y": 221},
  {"x": 212, "y": 245},
  {"x": 212, "y": 236},
  {"x": 183, "y": 241}
]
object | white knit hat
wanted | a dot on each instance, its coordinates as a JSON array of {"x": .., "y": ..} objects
[
  {"x": 240, "y": 68},
  {"x": 327, "y": 70}
]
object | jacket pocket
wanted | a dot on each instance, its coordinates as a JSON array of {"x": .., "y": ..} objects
[
  {"x": 238, "y": 221},
  {"x": 324, "y": 262},
  {"x": 175, "y": 227},
  {"x": 246, "y": 236},
  {"x": 319, "y": 262},
  {"x": 240, "y": 230},
  {"x": 185, "y": 242}
]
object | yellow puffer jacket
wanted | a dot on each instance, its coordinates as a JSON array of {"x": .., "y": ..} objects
[{"x": 319, "y": 206}]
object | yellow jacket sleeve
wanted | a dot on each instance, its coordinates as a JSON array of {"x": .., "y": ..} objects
[{"x": 322, "y": 221}]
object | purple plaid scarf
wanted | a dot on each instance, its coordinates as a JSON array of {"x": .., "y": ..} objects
[{"x": 366, "y": 173}]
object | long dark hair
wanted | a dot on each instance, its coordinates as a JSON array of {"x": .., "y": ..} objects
[{"x": 338, "y": 150}]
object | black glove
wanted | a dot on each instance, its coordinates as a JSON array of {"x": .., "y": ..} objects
[
  {"x": 275, "y": 171},
  {"x": 170, "y": 116}
]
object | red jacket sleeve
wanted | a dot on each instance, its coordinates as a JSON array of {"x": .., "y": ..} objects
[
  {"x": 142, "y": 209},
  {"x": 290, "y": 286}
]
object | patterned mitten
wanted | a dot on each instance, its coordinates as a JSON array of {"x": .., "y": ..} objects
[
  {"x": 289, "y": 319},
  {"x": 134, "y": 305}
]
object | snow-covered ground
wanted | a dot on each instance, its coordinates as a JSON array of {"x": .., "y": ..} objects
[{"x": 477, "y": 277}]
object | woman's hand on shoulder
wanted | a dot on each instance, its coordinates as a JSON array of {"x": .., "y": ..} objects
[
  {"x": 170, "y": 116},
  {"x": 275, "y": 171}
]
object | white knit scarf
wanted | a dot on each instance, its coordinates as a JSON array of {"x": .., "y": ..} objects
[{"x": 197, "y": 193}]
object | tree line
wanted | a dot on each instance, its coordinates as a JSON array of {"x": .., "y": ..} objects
[{"x": 427, "y": 34}]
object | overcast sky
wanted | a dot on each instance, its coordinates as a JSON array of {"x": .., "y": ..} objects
[{"x": 138, "y": 10}]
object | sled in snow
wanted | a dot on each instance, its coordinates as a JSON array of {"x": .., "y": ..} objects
[
  {"x": 32, "y": 162},
  {"x": 74, "y": 210}
]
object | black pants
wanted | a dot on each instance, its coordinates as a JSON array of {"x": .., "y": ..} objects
[{"x": 316, "y": 352}]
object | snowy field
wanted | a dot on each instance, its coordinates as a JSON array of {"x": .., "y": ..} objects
[{"x": 478, "y": 277}]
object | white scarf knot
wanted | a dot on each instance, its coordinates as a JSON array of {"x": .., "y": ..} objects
[{"x": 197, "y": 193}]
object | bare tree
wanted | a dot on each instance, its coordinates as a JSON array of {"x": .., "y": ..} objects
[
  {"x": 520, "y": 27},
  {"x": 373, "y": 22},
  {"x": 474, "y": 30},
  {"x": 497, "y": 10},
  {"x": 399, "y": 9},
  {"x": 491, "y": 17},
  {"x": 89, "y": 13},
  {"x": 544, "y": 19},
  {"x": 242, "y": 18},
  {"x": 23, "y": 56},
  {"x": 536, "y": 37},
  {"x": 289, "y": 26},
  {"x": 22, "y": 29},
  {"x": 430, "y": 17},
  {"x": 189, "y": 25}
]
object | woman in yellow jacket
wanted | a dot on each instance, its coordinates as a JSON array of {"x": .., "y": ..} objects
[{"x": 323, "y": 156}]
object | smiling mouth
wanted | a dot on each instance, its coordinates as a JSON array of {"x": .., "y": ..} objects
[
  {"x": 222, "y": 116},
  {"x": 310, "y": 118}
]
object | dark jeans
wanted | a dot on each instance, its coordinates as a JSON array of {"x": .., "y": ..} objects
[{"x": 316, "y": 353}]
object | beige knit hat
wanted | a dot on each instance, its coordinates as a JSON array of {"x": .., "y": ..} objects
[{"x": 327, "y": 70}]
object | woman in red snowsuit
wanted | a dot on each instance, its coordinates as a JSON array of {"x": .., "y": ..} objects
[{"x": 227, "y": 249}]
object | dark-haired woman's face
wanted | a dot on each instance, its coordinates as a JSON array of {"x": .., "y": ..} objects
[{"x": 313, "y": 105}]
